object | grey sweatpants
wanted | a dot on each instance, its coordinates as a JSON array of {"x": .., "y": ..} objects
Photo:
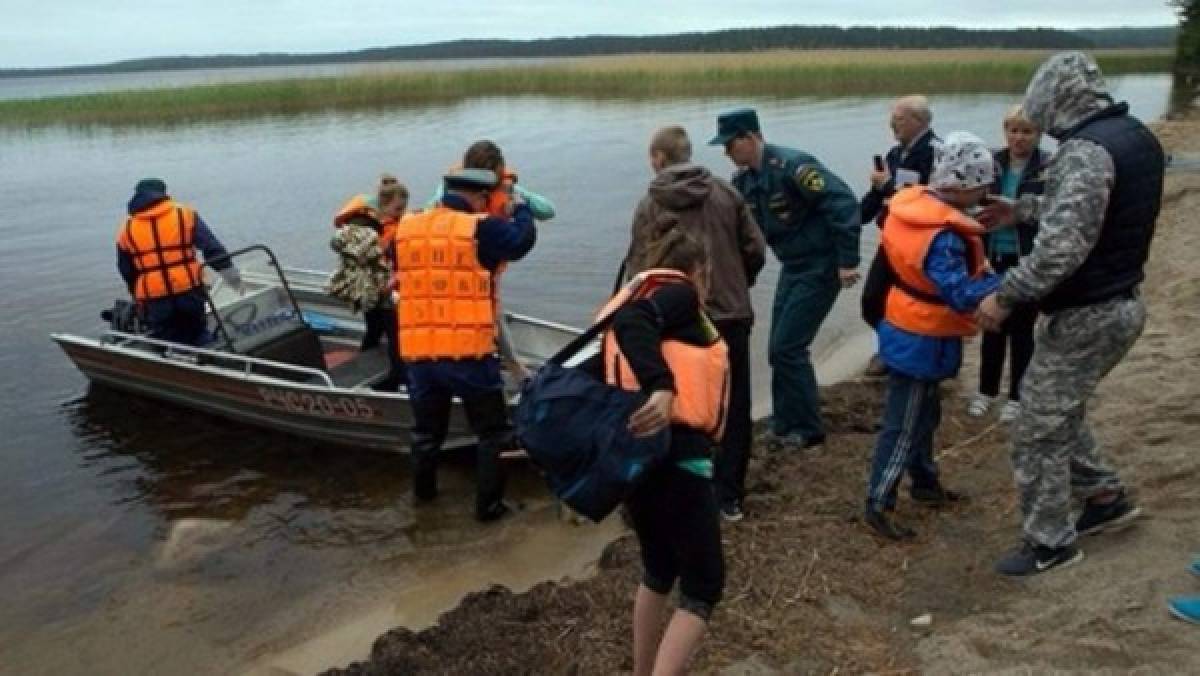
[{"x": 1054, "y": 454}]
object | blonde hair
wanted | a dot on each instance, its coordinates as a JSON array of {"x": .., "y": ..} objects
[
  {"x": 1016, "y": 113},
  {"x": 673, "y": 143}
]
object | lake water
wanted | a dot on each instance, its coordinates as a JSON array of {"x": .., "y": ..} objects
[{"x": 138, "y": 538}]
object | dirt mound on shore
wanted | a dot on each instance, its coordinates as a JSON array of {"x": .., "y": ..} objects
[{"x": 811, "y": 591}]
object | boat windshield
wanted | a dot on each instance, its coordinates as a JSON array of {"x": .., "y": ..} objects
[{"x": 260, "y": 312}]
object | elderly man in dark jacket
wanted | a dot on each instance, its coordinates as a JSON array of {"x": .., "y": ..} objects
[
  {"x": 911, "y": 125},
  {"x": 716, "y": 212},
  {"x": 912, "y": 159}
]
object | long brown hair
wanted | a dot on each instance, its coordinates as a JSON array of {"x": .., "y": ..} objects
[{"x": 671, "y": 246}]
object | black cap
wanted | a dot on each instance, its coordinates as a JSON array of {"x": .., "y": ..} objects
[
  {"x": 151, "y": 186},
  {"x": 734, "y": 122}
]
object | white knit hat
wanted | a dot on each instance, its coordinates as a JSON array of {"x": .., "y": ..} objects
[{"x": 962, "y": 161}]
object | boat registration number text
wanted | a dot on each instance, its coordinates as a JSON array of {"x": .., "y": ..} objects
[{"x": 317, "y": 404}]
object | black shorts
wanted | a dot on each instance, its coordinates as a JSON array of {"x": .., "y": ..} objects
[{"x": 674, "y": 513}]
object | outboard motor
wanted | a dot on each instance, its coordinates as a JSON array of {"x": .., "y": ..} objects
[{"x": 124, "y": 317}]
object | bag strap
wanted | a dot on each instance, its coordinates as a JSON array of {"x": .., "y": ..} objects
[{"x": 580, "y": 341}]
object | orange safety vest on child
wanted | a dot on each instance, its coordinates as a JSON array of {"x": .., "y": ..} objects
[
  {"x": 355, "y": 206},
  {"x": 701, "y": 372},
  {"x": 446, "y": 307},
  {"x": 161, "y": 241},
  {"x": 915, "y": 217},
  {"x": 365, "y": 205}
]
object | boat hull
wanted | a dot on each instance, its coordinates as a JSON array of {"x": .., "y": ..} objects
[{"x": 360, "y": 418}]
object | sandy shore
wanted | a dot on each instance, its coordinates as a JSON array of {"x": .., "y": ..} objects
[{"x": 810, "y": 591}]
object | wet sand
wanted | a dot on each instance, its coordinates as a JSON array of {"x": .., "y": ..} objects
[{"x": 811, "y": 591}]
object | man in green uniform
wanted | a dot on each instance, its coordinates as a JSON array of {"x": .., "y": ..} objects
[{"x": 811, "y": 221}]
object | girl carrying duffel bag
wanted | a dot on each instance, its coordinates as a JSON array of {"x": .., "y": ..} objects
[{"x": 645, "y": 436}]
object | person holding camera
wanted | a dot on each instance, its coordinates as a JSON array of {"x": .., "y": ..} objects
[{"x": 907, "y": 162}]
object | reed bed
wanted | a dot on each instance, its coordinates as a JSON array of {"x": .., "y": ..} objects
[{"x": 774, "y": 73}]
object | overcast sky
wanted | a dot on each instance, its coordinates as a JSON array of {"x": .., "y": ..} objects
[{"x": 35, "y": 33}]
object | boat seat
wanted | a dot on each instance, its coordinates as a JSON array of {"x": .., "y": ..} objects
[
  {"x": 300, "y": 347},
  {"x": 356, "y": 368}
]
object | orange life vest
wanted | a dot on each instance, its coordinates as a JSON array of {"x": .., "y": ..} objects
[
  {"x": 388, "y": 232},
  {"x": 446, "y": 307},
  {"x": 161, "y": 240},
  {"x": 915, "y": 217},
  {"x": 359, "y": 205},
  {"x": 701, "y": 372},
  {"x": 500, "y": 198},
  {"x": 365, "y": 205}
]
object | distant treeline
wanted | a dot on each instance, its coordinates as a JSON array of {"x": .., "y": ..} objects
[{"x": 734, "y": 40}]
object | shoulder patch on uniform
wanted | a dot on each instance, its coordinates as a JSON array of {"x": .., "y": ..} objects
[{"x": 810, "y": 179}]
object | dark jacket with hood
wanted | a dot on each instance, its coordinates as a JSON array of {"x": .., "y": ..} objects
[{"x": 714, "y": 211}]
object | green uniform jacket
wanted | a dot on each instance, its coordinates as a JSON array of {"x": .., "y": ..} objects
[{"x": 809, "y": 215}]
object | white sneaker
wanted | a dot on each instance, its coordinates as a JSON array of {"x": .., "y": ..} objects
[
  {"x": 979, "y": 405},
  {"x": 1011, "y": 410}
]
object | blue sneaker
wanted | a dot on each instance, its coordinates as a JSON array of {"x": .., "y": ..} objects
[
  {"x": 1195, "y": 567},
  {"x": 1186, "y": 608}
]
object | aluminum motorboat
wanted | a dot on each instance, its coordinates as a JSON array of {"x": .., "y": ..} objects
[{"x": 285, "y": 357}]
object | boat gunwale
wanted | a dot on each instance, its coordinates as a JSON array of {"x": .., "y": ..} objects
[{"x": 255, "y": 378}]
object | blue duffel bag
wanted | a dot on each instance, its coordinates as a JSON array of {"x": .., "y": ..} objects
[{"x": 575, "y": 429}]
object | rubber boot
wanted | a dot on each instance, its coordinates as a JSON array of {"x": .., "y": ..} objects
[
  {"x": 429, "y": 431},
  {"x": 488, "y": 416}
]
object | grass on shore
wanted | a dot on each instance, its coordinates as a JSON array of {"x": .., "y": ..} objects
[{"x": 774, "y": 73}]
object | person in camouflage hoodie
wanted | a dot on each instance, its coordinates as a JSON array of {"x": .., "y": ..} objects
[{"x": 1102, "y": 197}]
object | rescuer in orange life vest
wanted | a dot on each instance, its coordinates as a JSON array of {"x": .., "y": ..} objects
[
  {"x": 446, "y": 258},
  {"x": 156, "y": 256},
  {"x": 485, "y": 154},
  {"x": 939, "y": 277}
]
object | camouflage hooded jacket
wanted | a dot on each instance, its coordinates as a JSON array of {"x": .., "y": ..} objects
[{"x": 1065, "y": 90}]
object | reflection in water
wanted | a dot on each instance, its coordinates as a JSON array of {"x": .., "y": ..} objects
[{"x": 278, "y": 486}]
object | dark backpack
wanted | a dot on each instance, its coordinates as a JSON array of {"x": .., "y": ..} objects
[{"x": 575, "y": 429}]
